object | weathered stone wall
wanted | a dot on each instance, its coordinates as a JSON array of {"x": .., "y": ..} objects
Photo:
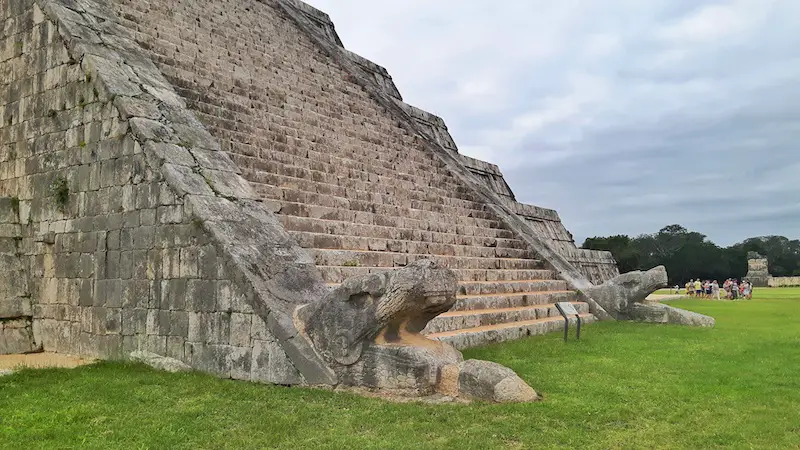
[
  {"x": 136, "y": 232},
  {"x": 16, "y": 316},
  {"x": 784, "y": 281}
]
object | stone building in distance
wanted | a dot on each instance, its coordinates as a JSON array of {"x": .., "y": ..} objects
[
  {"x": 757, "y": 270},
  {"x": 180, "y": 177}
]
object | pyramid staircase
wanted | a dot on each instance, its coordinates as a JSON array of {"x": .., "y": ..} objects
[
  {"x": 356, "y": 189},
  {"x": 505, "y": 292}
]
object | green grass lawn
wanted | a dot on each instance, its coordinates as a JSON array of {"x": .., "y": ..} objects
[
  {"x": 625, "y": 385},
  {"x": 668, "y": 291}
]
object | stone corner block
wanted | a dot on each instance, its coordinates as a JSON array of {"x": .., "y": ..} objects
[
  {"x": 486, "y": 380},
  {"x": 160, "y": 362}
]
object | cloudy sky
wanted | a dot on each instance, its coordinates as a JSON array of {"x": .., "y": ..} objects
[{"x": 623, "y": 115}]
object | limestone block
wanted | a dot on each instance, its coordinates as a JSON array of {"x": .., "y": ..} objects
[
  {"x": 117, "y": 79},
  {"x": 130, "y": 107},
  {"x": 185, "y": 181},
  {"x": 11, "y": 308},
  {"x": 160, "y": 362},
  {"x": 193, "y": 134},
  {"x": 215, "y": 160},
  {"x": 240, "y": 329},
  {"x": 270, "y": 364},
  {"x": 159, "y": 153},
  {"x": 228, "y": 184},
  {"x": 490, "y": 381},
  {"x": 16, "y": 336},
  {"x": 241, "y": 360},
  {"x": 176, "y": 347},
  {"x": 210, "y": 358},
  {"x": 150, "y": 130}
]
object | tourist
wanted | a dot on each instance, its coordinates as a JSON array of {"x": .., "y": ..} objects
[
  {"x": 747, "y": 290},
  {"x": 698, "y": 288},
  {"x": 690, "y": 288},
  {"x": 715, "y": 290},
  {"x": 708, "y": 289},
  {"x": 734, "y": 290}
]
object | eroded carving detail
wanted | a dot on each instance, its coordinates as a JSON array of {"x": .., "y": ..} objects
[{"x": 369, "y": 331}]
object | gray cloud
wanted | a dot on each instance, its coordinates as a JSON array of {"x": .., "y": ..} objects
[{"x": 622, "y": 115}]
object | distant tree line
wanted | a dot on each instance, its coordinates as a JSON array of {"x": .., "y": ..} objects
[{"x": 689, "y": 254}]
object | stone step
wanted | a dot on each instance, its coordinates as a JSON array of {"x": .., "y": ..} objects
[
  {"x": 522, "y": 299},
  {"x": 474, "y": 290},
  {"x": 376, "y": 166},
  {"x": 274, "y": 186},
  {"x": 336, "y": 274},
  {"x": 393, "y": 228},
  {"x": 490, "y": 334},
  {"x": 417, "y": 248},
  {"x": 379, "y": 204},
  {"x": 458, "y": 320},
  {"x": 355, "y": 258},
  {"x": 503, "y": 248},
  {"x": 327, "y": 178},
  {"x": 465, "y": 275},
  {"x": 488, "y": 288},
  {"x": 413, "y": 219},
  {"x": 469, "y": 275}
]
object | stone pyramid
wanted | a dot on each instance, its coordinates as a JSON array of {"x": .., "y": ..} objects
[{"x": 178, "y": 177}]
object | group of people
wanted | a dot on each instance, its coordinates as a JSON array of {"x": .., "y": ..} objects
[{"x": 734, "y": 289}]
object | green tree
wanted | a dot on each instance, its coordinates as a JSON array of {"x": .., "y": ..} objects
[
  {"x": 621, "y": 246},
  {"x": 688, "y": 254}
]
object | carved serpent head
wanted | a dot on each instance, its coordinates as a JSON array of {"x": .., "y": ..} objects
[{"x": 391, "y": 308}]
